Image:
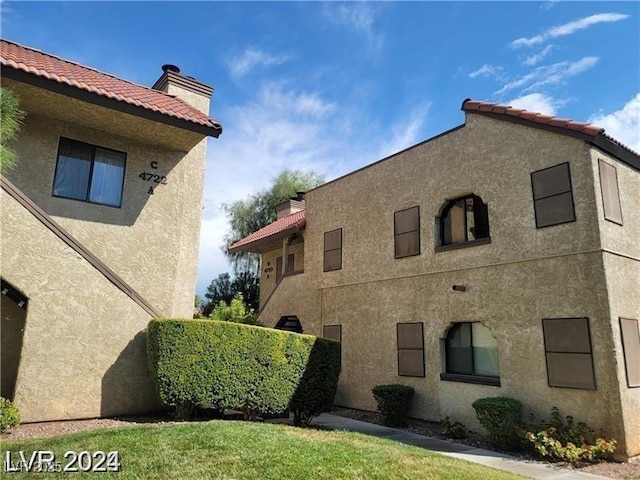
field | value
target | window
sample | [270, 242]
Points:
[610, 195]
[406, 231]
[471, 355]
[631, 348]
[333, 250]
[410, 349]
[552, 196]
[464, 222]
[332, 332]
[567, 345]
[89, 173]
[290, 265]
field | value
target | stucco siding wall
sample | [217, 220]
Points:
[619, 238]
[622, 269]
[524, 275]
[151, 241]
[268, 270]
[196, 100]
[295, 295]
[83, 349]
[511, 300]
[623, 282]
[490, 158]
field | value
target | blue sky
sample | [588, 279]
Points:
[332, 86]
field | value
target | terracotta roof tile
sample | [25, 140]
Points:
[477, 106]
[597, 133]
[289, 224]
[19, 57]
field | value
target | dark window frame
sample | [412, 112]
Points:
[465, 377]
[90, 179]
[398, 349]
[625, 348]
[443, 247]
[547, 351]
[325, 251]
[334, 325]
[535, 200]
[396, 234]
[607, 215]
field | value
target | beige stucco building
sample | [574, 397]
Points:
[501, 257]
[100, 227]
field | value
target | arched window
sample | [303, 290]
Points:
[471, 351]
[464, 220]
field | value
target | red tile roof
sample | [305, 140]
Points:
[596, 135]
[475, 106]
[284, 226]
[50, 67]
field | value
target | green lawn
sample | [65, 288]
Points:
[230, 449]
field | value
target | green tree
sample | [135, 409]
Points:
[248, 284]
[223, 289]
[259, 210]
[10, 120]
[235, 311]
[219, 290]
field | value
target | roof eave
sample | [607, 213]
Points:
[264, 241]
[607, 145]
[599, 140]
[531, 123]
[111, 103]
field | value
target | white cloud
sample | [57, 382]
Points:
[549, 75]
[623, 124]
[487, 71]
[252, 58]
[569, 28]
[534, 59]
[537, 102]
[358, 16]
[405, 133]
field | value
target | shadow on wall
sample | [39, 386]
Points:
[127, 387]
[317, 388]
[14, 317]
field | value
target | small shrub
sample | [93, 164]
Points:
[501, 417]
[567, 441]
[394, 402]
[9, 415]
[453, 429]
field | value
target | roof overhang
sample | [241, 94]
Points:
[265, 244]
[114, 104]
[592, 134]
[270, 237]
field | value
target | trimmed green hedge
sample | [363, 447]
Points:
[318, 385]
[252, 369]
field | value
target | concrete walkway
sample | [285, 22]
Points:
[488, 458]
